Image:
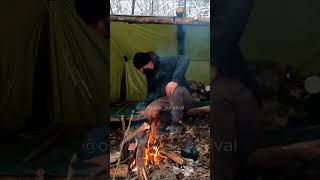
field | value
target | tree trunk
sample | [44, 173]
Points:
[185, 8]
[133, 5]
[152, 8]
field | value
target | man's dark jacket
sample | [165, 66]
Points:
[166, 69]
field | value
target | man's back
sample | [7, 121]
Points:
[167, 69]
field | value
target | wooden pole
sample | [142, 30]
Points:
[152, 8]
[202, 21]
[133, 6]
[180, 32]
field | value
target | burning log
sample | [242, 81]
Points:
[140, 156]
[145, 153]
[174, 157]
[142, 128]
[147, 150]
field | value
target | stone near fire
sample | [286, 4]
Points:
[190, 151]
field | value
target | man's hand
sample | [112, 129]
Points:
[170, 87]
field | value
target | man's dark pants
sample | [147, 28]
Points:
[177, 105]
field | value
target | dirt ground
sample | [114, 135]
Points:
[197, 132]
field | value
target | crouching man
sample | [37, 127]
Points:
[167, 87]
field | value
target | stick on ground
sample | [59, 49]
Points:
[174, 157]
[121, 146]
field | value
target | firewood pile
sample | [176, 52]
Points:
[199, 91]
[141, 154]
[284, 97]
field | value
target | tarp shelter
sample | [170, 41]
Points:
[53, 66]
[127, 39]
[53, 69]
[286, 32]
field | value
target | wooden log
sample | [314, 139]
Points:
[160, 20]
[140, 155]
[174, 157]
[122, 171]
[198, 110]
[142, 128]
[114, 157]
[283, 156]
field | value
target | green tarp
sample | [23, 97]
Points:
[53, 67]
[127, 39]
[79, 68]
[52, 62]
[20, 33]
[286, 32]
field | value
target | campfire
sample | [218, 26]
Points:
[144, 151]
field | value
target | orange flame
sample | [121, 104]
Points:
[152, 154]
[152, 150]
